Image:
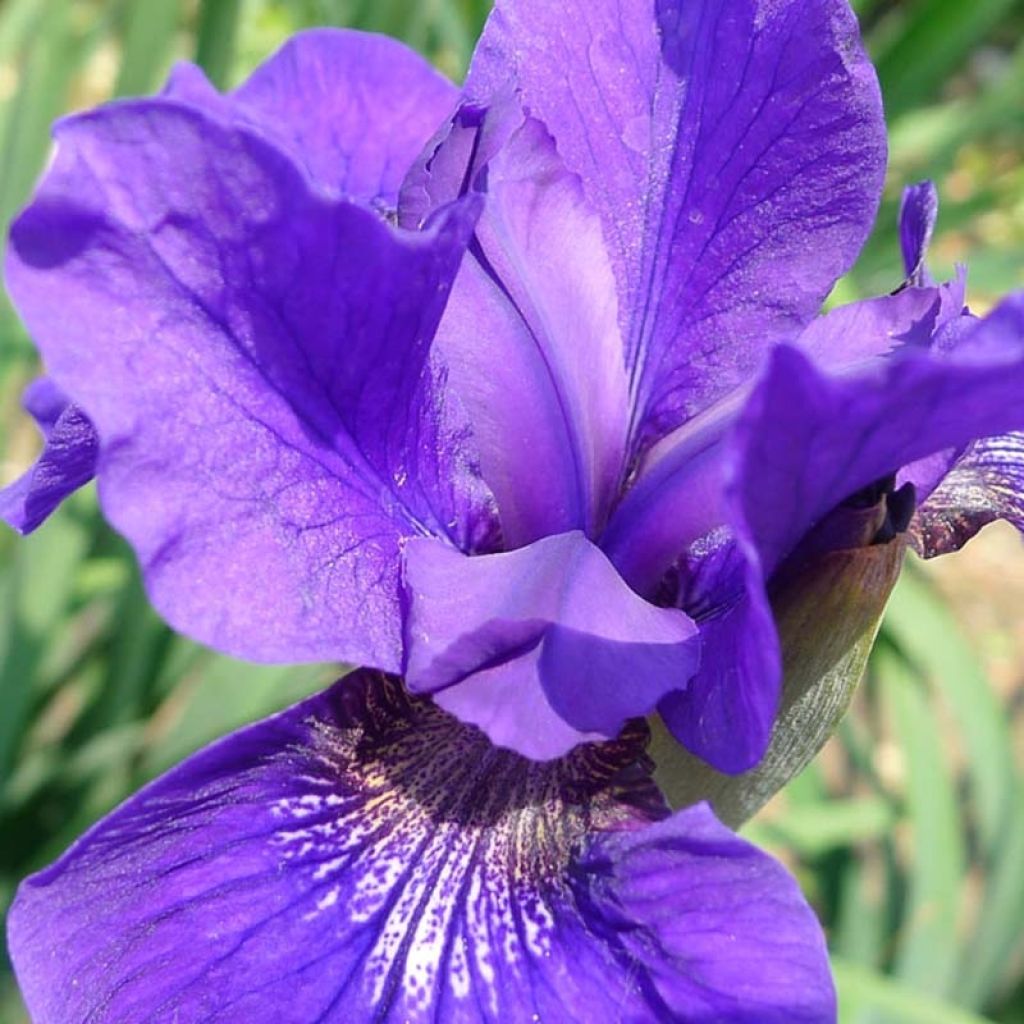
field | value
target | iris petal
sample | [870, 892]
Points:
[678, 495]
[984, 484]
[255, 357]
[671, 518]
[919, 209]
[67, 462]
[603, 654]
[366, 857]
[530, 336]
[807, 440]
[734, 152]
[352, 109]
[725, 715]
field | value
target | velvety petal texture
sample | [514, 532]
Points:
[603, 654]
[671, 519]
[806, 441]
[862, 331]
[352, 109]
[255, 357]
[734, 152]
[67, 462]
[678, 494]
[366, 857]
[520, 396]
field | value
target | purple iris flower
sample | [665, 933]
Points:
[519, 398]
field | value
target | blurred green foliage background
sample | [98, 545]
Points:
[908, 833]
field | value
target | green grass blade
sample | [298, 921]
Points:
[866, 997]
[17, 19]
[45, 75]
[928, 953]
[943, 31]
[859, 933]
[926, 631]
[216, 35]
[815, 828]
[41, 580]
[148, 39]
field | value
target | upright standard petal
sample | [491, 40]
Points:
[255, 357]
[530, 335]
[589, 653]
[351, 108]
[367, 857]
[734, 152]
[67, 462]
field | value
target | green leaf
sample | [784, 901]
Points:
[44, 80]
[859, 932]
[866, 997]
[17, 18]
[215, 39]
[937, 37]
[928, 953]
[38, 585]
[149, 34]
[218, 695]
[813, 829]
[926, 631]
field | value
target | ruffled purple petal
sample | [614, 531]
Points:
[670, 522]
[862, 331]
[686, 891]
[919, 209]
[586, 646]
[366, 857]
[985, 484]
[676, 497]
[46, 403]
[530, 335]
[67, 462]
[807, 441]
[509, 704]
[808, 438]
[734, 153]
[255, 357]
[351, 108]
[964, 488]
